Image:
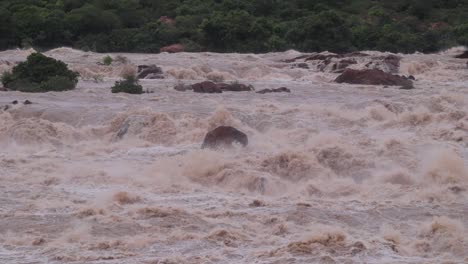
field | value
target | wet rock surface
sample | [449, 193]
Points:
[206, 87]
[149, 72]
[373, 77]
[224, 137]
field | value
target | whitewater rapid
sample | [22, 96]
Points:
[333, 173]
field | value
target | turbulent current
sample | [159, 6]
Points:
[333, 173]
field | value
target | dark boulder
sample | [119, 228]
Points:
[149, 72]
[211, 87]
[206, 87]
[235, 87]
[277, 90]
[464, 55]
[373, 77]
[3, 89]
[224, 136]
[27, 102]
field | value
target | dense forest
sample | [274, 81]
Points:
[235, 25]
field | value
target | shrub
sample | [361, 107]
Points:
[7, 77]
[24, 86]
[107, 60]
[128, 85]
[58, 83]
[33, 75]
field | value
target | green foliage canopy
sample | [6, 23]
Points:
[235, 25]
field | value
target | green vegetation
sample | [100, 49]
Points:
[235, 25]
[107, 60]
[40, 73]
[128, 85]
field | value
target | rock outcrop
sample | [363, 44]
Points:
[223, 137]
[338, 63]
[373, 77]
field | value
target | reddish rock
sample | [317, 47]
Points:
[3, 89]
[277, 90]
[224, 136]
[439, 25]
[166, 20]
[175, 48]
[206, 87]
[373, 77]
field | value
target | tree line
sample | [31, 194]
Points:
[235, 25]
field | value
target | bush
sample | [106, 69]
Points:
[24, 86]
[7, 77]
[107, 60]
[128, 85]
[58, 83]
[34, 74]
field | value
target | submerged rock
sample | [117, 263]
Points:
[182, 87]
[302, 65]
[224, 136]
[277, 90]
[211, 87]
[235, 87]
[133, 125]
[337, 66]
[373, 77]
